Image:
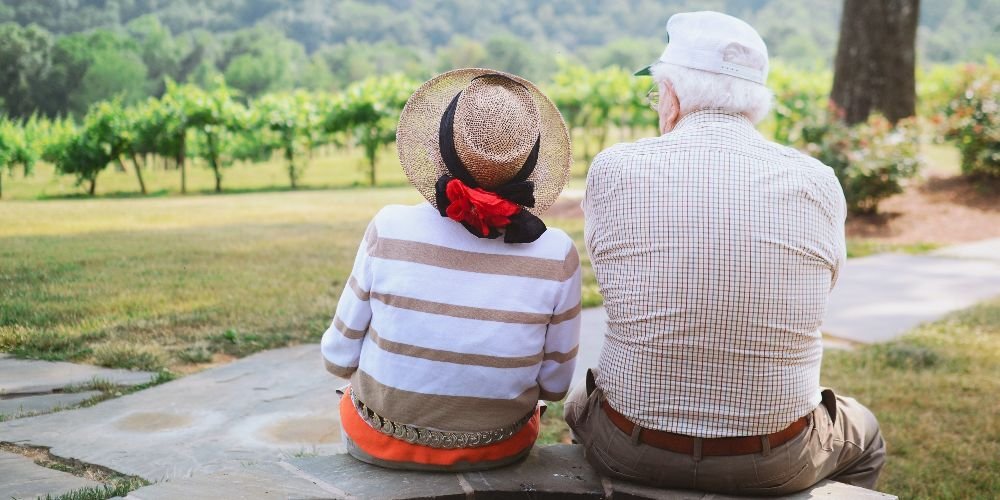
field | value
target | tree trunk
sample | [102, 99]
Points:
[371, 165]
[180, 164]
[1, 183]
[213, 160]
[138, 173]
[93, 185]
[875, 64]
[290, 157]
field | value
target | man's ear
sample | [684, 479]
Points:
[667, 92]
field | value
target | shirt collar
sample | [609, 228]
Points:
[710, 116]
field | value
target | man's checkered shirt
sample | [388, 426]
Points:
[715, 251]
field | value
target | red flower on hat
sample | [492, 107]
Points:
[477, 207]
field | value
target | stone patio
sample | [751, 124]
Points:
[550, 472]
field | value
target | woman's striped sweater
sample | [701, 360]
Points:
[437, 328]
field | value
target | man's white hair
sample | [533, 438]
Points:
[697, 89]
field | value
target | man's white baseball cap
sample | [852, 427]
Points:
[708, 40]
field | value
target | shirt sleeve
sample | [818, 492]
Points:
[341, 343]
[839, 237]
[562, 338]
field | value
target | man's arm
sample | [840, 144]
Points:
[838, 233]
[341, 343]
[562, 338]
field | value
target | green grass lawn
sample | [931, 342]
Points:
[934, 392]
[174, 282]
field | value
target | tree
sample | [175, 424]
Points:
[25, 62]
[14, 149]
[113, 74]
[875, 63]
[294, 121]
[216, 117]
[370, 110]
[172, 115]
[261, 60]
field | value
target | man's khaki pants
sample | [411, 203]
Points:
[842, 442]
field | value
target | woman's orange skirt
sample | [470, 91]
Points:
[389, 449]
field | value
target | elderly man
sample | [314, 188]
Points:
[715, 250]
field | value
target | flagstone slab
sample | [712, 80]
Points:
[20, 376]
[43, 403]
[21, 477]
[549, 472]
[255, 481]
[261, 408]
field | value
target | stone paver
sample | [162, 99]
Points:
[24, 376]
[20, 478]
[43, 403]
[264, 481]
[549, 472]
[261, 408]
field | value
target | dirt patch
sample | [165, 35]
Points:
[941, 210]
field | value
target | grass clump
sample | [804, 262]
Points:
[114, 489]
[195, 354]
[129, 356]
[50, 345]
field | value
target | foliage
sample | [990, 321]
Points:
[219, 124]
[937, 85]
[58, 60]
[594, 101]
[871, 159]
[972, 120]
[294, 122]
[370, 110]
[799, 96]
[15, 148]
[103, 138]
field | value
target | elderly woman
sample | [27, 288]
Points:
[461, 313]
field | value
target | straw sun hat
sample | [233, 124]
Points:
[487, 149]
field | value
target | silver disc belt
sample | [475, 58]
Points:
[435, 438]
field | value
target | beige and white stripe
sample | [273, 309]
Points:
[440, 329]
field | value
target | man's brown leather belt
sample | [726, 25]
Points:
[727, 446]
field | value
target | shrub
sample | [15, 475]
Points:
[972, 121]
[799, 96]
[871, 159]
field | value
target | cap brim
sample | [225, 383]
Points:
[647, 71]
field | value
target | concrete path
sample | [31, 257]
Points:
[24, 376]
[878, 298]
[28, 387]
[265, 407]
